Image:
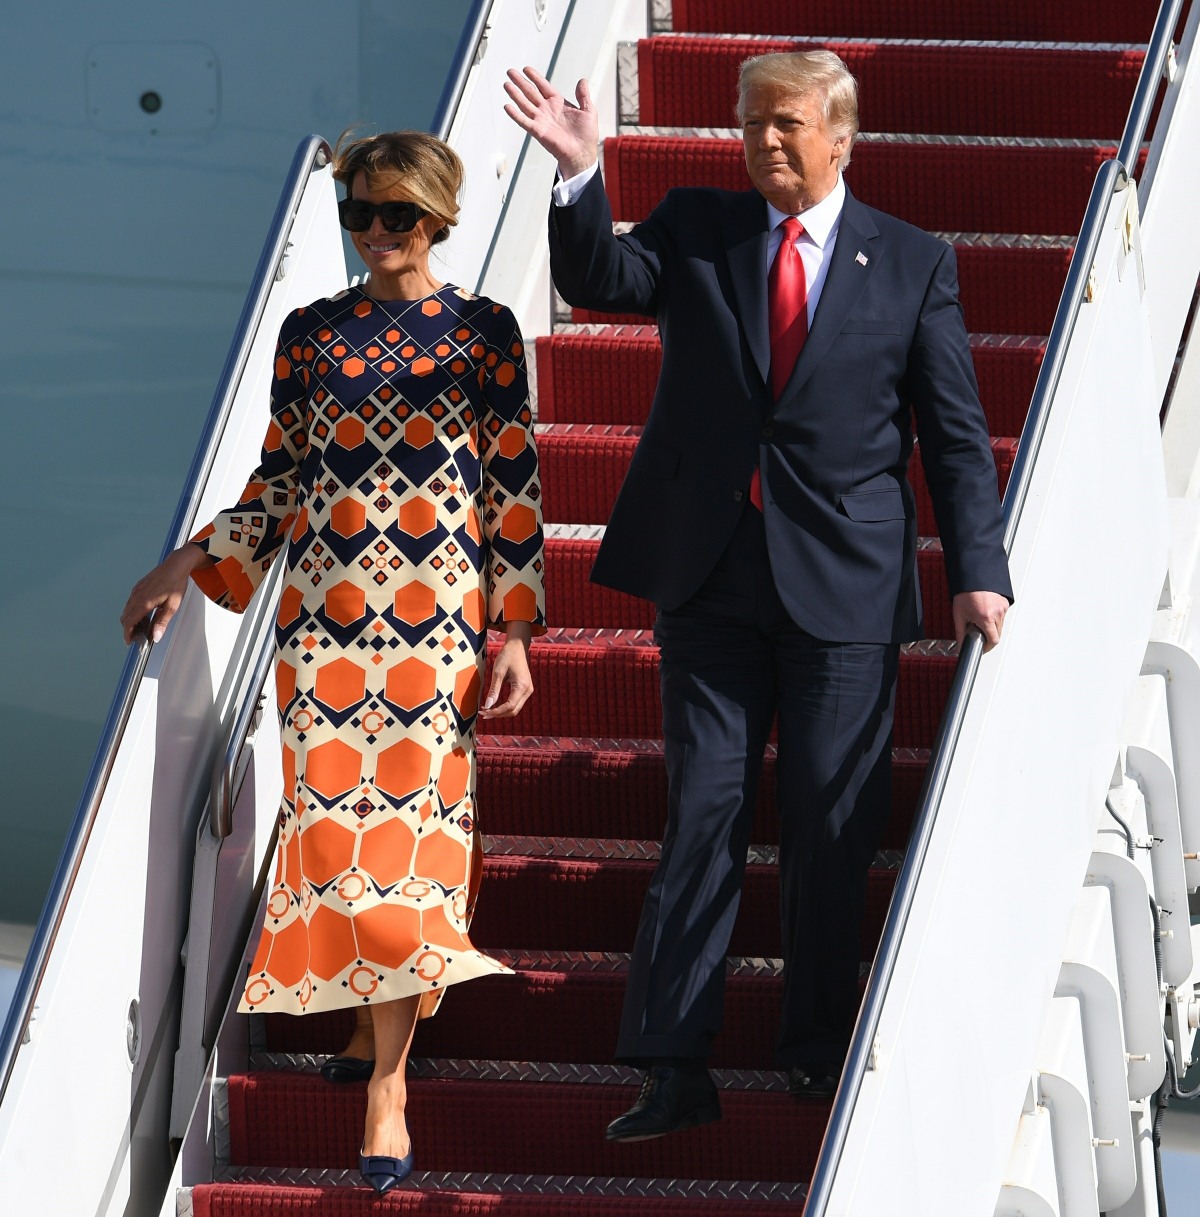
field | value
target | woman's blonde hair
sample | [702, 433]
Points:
[428, 170]
[821, 73]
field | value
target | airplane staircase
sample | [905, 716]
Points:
[988, 124]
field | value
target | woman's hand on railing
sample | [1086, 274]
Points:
[156, 596]
[511, 665]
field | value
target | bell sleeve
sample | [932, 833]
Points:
[245, 539]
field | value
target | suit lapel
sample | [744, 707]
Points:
[852, 264]
[745, 238]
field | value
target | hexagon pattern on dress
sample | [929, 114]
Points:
[399, 478]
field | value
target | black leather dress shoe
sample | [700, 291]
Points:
[347, 1069]
[672, 1098]
[818, 1080]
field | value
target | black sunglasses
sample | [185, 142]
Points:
[357, 215]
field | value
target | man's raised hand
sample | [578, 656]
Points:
[568, 131]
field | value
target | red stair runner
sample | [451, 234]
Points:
[944, 187]
[1100, 21]
[608, 377]
[1004, 289]
[617, 789]
[1074, 93]
[259, 1200]
[590, 686]
[583, 467]
[580, 774]
[536, 1128]
[572, 600]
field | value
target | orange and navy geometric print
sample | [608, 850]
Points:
[400, 478]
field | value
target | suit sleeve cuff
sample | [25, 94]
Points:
[567, 192]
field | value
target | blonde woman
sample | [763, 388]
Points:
[399, 481]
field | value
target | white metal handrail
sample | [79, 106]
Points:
[312, 154]
[1114, 175]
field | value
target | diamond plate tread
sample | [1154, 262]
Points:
[649, 331]
[891, 137]
[644, 851]
[650, 746]
[561, 636]
[574, 532]
[553, 1185]
[525, 1071]
[991, 44]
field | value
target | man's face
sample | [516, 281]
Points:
[791, 158]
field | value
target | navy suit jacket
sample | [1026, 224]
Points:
[887, 343]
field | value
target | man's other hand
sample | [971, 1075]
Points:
[984, 610]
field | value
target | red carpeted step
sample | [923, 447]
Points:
[519, 1128]
[586, 904]
[618, 789]
[1015, 20]
[939, 187]
[572, 600]
[587, 689]
[569, 1017]
[583, 468]
[609, 378]
[1005, 289]
[267, 1200]
[927, 90]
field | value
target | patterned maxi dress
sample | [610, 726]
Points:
[399, 475]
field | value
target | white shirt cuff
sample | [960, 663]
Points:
[567, 192]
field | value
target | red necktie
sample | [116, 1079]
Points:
[787, 319]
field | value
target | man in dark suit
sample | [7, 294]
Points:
[767, 514]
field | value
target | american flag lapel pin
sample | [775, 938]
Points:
[860, 258]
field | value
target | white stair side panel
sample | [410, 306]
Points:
[1137, 971]
[1036, 751]
[1062, 1088]
[1089, 972]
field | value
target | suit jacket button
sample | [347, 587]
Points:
[767, 432]
[738, 496]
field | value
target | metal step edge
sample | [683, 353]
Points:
[890, 137]
[611, 849]
[650, 747]
[981, 240]
[649, 332]
[560, 1185]
[561, 1073]
[599, 637]
[1008, 44]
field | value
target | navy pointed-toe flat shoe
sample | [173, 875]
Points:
[347, 1069]
[384, 1173]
